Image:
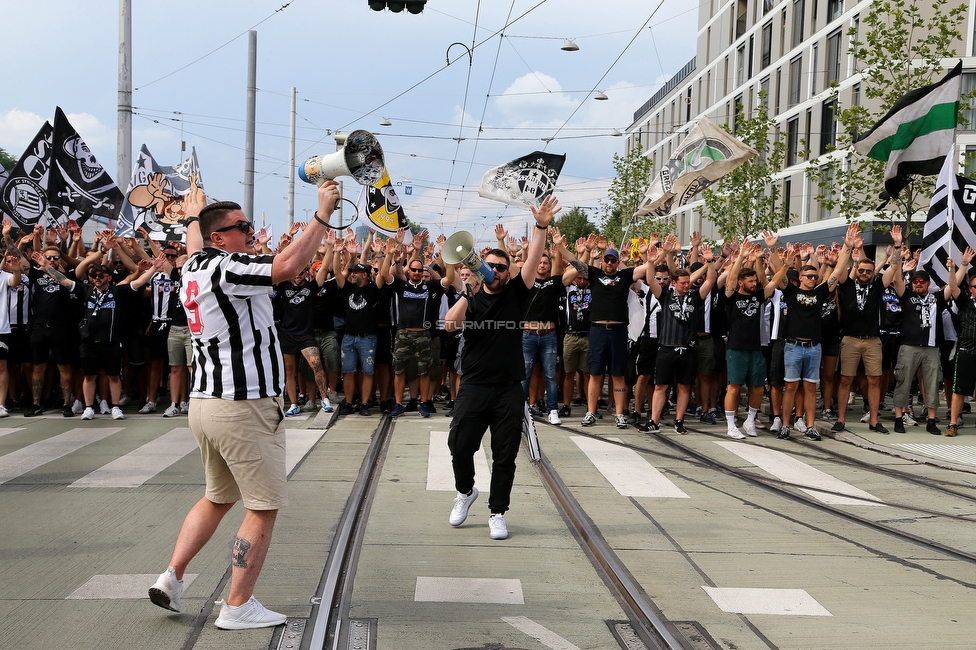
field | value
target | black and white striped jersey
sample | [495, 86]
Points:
[161, 288]
[236, 354]
[20, 303]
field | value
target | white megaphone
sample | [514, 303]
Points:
[459, 249]
[360, 157]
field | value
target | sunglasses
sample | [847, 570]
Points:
[498, 266]
[244, 226]
[812, 276]
[919, 281]
[97, 276]
[170, 256]
[609, 259]
[52, 258]
[865, 271]
[661, 278]
[417, 269]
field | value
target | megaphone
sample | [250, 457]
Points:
[459, 249]
[360, 157]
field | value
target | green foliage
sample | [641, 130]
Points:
[7, 160]
[573, 225]
[902, 49]
[633, 175]
[744, 201]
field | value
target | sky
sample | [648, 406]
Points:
[353, 67]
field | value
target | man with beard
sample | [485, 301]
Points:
[490, 395]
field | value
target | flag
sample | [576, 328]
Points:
[79, 186]
[524, 181]
[154, 198]
[915, 134]
[24, 195]
[381, 205]
[705, 155]
[951, 222]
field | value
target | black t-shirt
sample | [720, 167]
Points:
[920, 316]
[830, 322]
[493, 335]
[323, 303]
[49, 300]
[891, 310]
[296, 306]
[105, 311]
[678, 323]
[743, 311]
[804, 312]
[860, 307]
[416, 305]
[544, 300]
[610, 294]
[578, 301]
[360, 308]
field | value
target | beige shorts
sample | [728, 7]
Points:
[178, 346]
[854, 350]
[242, 444]
[575, 347]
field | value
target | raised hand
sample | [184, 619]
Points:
[546, 211]
[770, 238]
[896, 238]
[500, 233]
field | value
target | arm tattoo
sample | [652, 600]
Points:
[241, 547]
[57, 275]
[583, 269]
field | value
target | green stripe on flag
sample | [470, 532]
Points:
[941, 117]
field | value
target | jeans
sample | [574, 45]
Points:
[542, 347]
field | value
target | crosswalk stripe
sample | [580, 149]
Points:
[7, 432]
[140, 465]
[959, 453]
[298, 442]
[542, 634]
[629, 473]
[440, 472]
[786, 468]
[18, 463]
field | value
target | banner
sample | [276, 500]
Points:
[524, 181]
[154, 198]
[24, 195]
[949, 227]
[705, 155]
[381, 205]
[79, 186]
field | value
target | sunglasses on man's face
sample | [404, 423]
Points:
[170, 256]
[97, 276]
[52, 258]
[244, 226]
[610, 260]
[661, 278]
[417, 269]
[865, 271]
[498, 266]
[812, 276]
[919, 281]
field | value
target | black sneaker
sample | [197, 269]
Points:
[535, 411]
[880, 428]
[430, 406]
[578, 401]
[565, 412]
[784, 433]
[601, 403]
[679, 427]
[33, 410]
[67, 412]
[411, 406]
[812, 434]
[649, 427]
[932, 427]
[838, 426]
[900, 425]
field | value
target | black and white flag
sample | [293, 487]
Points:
[524, 181]
[950, 225]
[24, 195]
[154, 198]
[79, 186]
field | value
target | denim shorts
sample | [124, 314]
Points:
[801, 362]
[358, 353]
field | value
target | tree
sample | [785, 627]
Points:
[744, 201]
[902, 49]
[574, 224]
[6, 160]
[633, 175]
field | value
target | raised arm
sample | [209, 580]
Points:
[895, 275]
[543, 215]
[839, 276]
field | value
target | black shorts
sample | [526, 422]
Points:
[158, 340]
[135, 346]
[890, 342]
[20, 345]
[6, 341]
[676, 366]
[294, 343]
[101, 356]
[948, 361]
[775, 366]
[449, 347]
[384, 345]
[646, 356]
[46, 338]
[964, 378]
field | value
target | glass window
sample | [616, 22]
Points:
[740, 66]
[828, 126]
[796, 81]
[969, 111]
[767, 45]
[764, 93]
[833, 57]
[792, 140]
[799, 7]
[776, 92]
[834, 9]
[813, 69]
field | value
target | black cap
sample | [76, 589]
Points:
[360, 267]
[793, 274]
[922, 275]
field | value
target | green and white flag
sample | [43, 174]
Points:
[915, 134]
[705, 155]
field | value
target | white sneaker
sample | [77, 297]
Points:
[333, 396]
[908, 419]
[150, 407]
[117, 413]
[496, 527]
[749, 426]
[309, 406]
[776, 425]
[850, 399]
[461, 504]
[104, 408]
[77, 407]
[249, 616]
[866, 418]
[735, 434]
[167, 591]
[184, 407]
[327, 405]
[125, 401]
[554, 417]
[88, 413]
[800, 426]
[172, 411]
[3, 412]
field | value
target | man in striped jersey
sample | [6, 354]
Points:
[236, 409]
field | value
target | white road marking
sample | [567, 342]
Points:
[140, 465]
[468, 590]
[440, 474]
[782, 602]
[541, 634]
[129, 586]
[791, 470]
[7, 432]
[627, 471]
[957, 453]
[298, 442]
[18, 463]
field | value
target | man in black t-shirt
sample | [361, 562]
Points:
[539, 334]
[50, 330]
[490, 395]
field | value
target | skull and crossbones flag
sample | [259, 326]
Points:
[524, 181]
[154, 198]
[79, 186]
[24, 195]
[381, 205]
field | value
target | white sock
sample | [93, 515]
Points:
[730, 416]
[752, 414]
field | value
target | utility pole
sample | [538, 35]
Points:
[123, 168]
[291, 160]
[252, 82]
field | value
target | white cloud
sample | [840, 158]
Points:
[17, 129]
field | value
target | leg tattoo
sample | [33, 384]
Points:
[241, 547]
